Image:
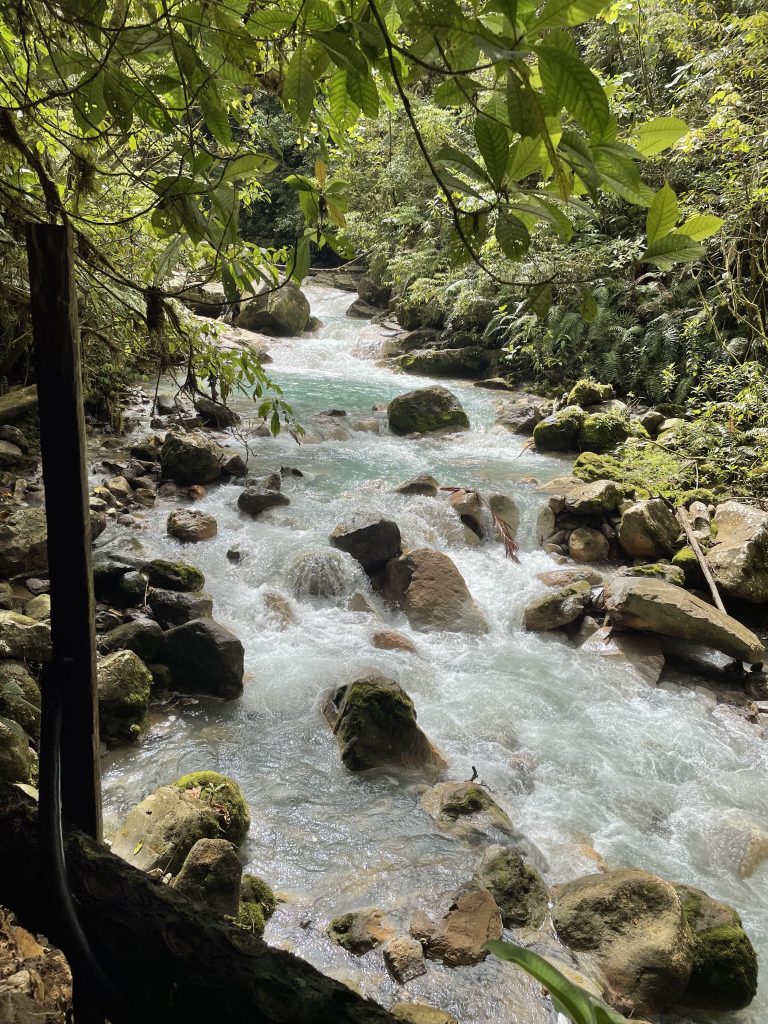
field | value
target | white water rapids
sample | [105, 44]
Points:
[650, 778]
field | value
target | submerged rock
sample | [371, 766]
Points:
[124, 682]
[642, 654]
[425, 410]
[468, 811]
[668, 610]
[459, 939]
[360, 931]
[739, 558]
[431, 591]
[204, 657]
[558, 608]
[210, 875]
[374, 722]
[518, 889]
[371, 540]
[322, 573]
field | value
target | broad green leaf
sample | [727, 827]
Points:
[701, 226]
[565, 14]
[662, 214]
[249, 165]
[527, 155]
[342, 50]
[319, 16]
[450, 155]
[655, 136]
[570, 83]
[493, 142]
[89, 104]
[215, 114]
[588, 306]
[298, 263]
[619, 173]
[364, 93]
[299, 83]
[506, 7]
[520, 110]
[673, 248]
[512, 236]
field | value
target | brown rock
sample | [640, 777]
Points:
[432, 592]
[191, 525]
[391, 640]
[459, 939]
[588, 545]
[360, 931]
[404, 958]
[211, 875]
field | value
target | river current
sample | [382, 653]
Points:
[579, 752]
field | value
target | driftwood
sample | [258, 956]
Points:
[16, 403]
[685, 522]
[173, 961]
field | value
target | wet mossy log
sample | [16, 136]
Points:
[172, 960]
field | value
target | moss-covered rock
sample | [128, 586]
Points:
[589, 392]
[360, 931]
[724, 972]
[657, 571]
[558, 432]
[601, 497]
[124, 682]
[590, 467]
[471, 362]
[686, 560]
[256, 892]
[224, 797]
[24, 639]
[20, 697]
[518, 889]
[250, 916]
[174, 575]
[425, 410]
[557, 608]
[602, 432]
[211, 875]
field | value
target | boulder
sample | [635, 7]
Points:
[192, 458]
[373, 293]
[633, 925]
[204, 657]
[15, 756]
[161, 830]
[172, 608]
[283, 312]
[424, 485]
[686, 560]
[662, 608]
[391, 640]
[370, 539]
[601, 497]
[468, 811]
[360, 931]
[426, 410]
[24, 639]
[20, 697]
[588, 545]
[374, 722]
[130, 591]
[404, 958]
[142, 636]
[558, 608]
[255, 500]
[107, 573]
[360, 310]
[656, 571]
[739, 558]
[649, 530]
[467, 363]
[517, 888]
[257, 904]
[124, 683]
[521, 417]
[211, 875]
[562, 577]
[469, 508]
[430, 589]
[224, 796]
[724, 973]
[588, 392]
[420, 1013]
[603, 431]
[39, 608]
[504, 509]
[214, 414]
[174, 575]
[191, 525]
[590, 466]
[652, 421]
[558, 432]
[23, 541]
[459, 939]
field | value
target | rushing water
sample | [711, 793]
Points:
[650, 778]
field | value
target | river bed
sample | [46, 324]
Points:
[580, 753]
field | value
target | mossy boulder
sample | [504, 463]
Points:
[192, 458]
[656, 571]
[426, 410]
[124, 683]
[591, 466]
[224, 797]
[283, 312]
[518, 889]
[250, 917]
[588, 392]
[558, 432]
[360, 931]
[174, 575]
[20, 697]
[471, 362]
[602, 432]
[374, 722]
[142, 636]
[256, 893]
[649, 529]
[15, 756]
[724, 972]
[686, 560]
[24, 639]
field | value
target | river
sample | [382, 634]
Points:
[653, 778]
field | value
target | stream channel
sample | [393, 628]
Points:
[578, 751]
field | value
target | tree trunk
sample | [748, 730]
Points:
[172, 961]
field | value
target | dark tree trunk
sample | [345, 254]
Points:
[174, 962]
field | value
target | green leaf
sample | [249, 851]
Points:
[137, 847]
[493, 142]
[662, 214]
[342, 51]
[673, 248]
[362, 89]
[527, 155]
[215, 114]
[464, 162]
[248, 166]
[297, 266]
[512, 236]
[619, 173]
[588, 306]
[568, 82]
[701, 226]
[655, 136]
[89, 104]
[506, 7]
[299, 83]
[565, 13]
[520, 111]
[540, 301]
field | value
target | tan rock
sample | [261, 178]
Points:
[557, 608]
[739, 558]
[404, 958]
[361, 931]
[421, 1013]
[459, 938]
[191, 525]
[588, 545]
[391, 640]
[430, 589]
[649, 530]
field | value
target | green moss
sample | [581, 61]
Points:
[224, 797]
[557, 433]
[697, 494]
[250, 916]
[20, 697]
[602, 432]
[466, 800]
[590, 466]
[686, 560]
[518, 889]
[381, 704]
[589, 392]
[255, 890]
[724, 974]
[673, 574]
[174, 575]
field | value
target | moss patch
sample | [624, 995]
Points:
[466, 800]
[174, 575]
[589, 392]
[224, 797]
[686, 560]
[255, 890]
[602, 432]
[250, 916]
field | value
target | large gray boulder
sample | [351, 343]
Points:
[660, 607]
[142, 636]
[192, 458]
[431, 591]
[558, 607]
[425, 410]
[649, 530]
[23, 541]
[632, 923]
[374, 722]
[204, 657]
[283, 312]
[371, 540]
[172, 608]
[739, 558]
